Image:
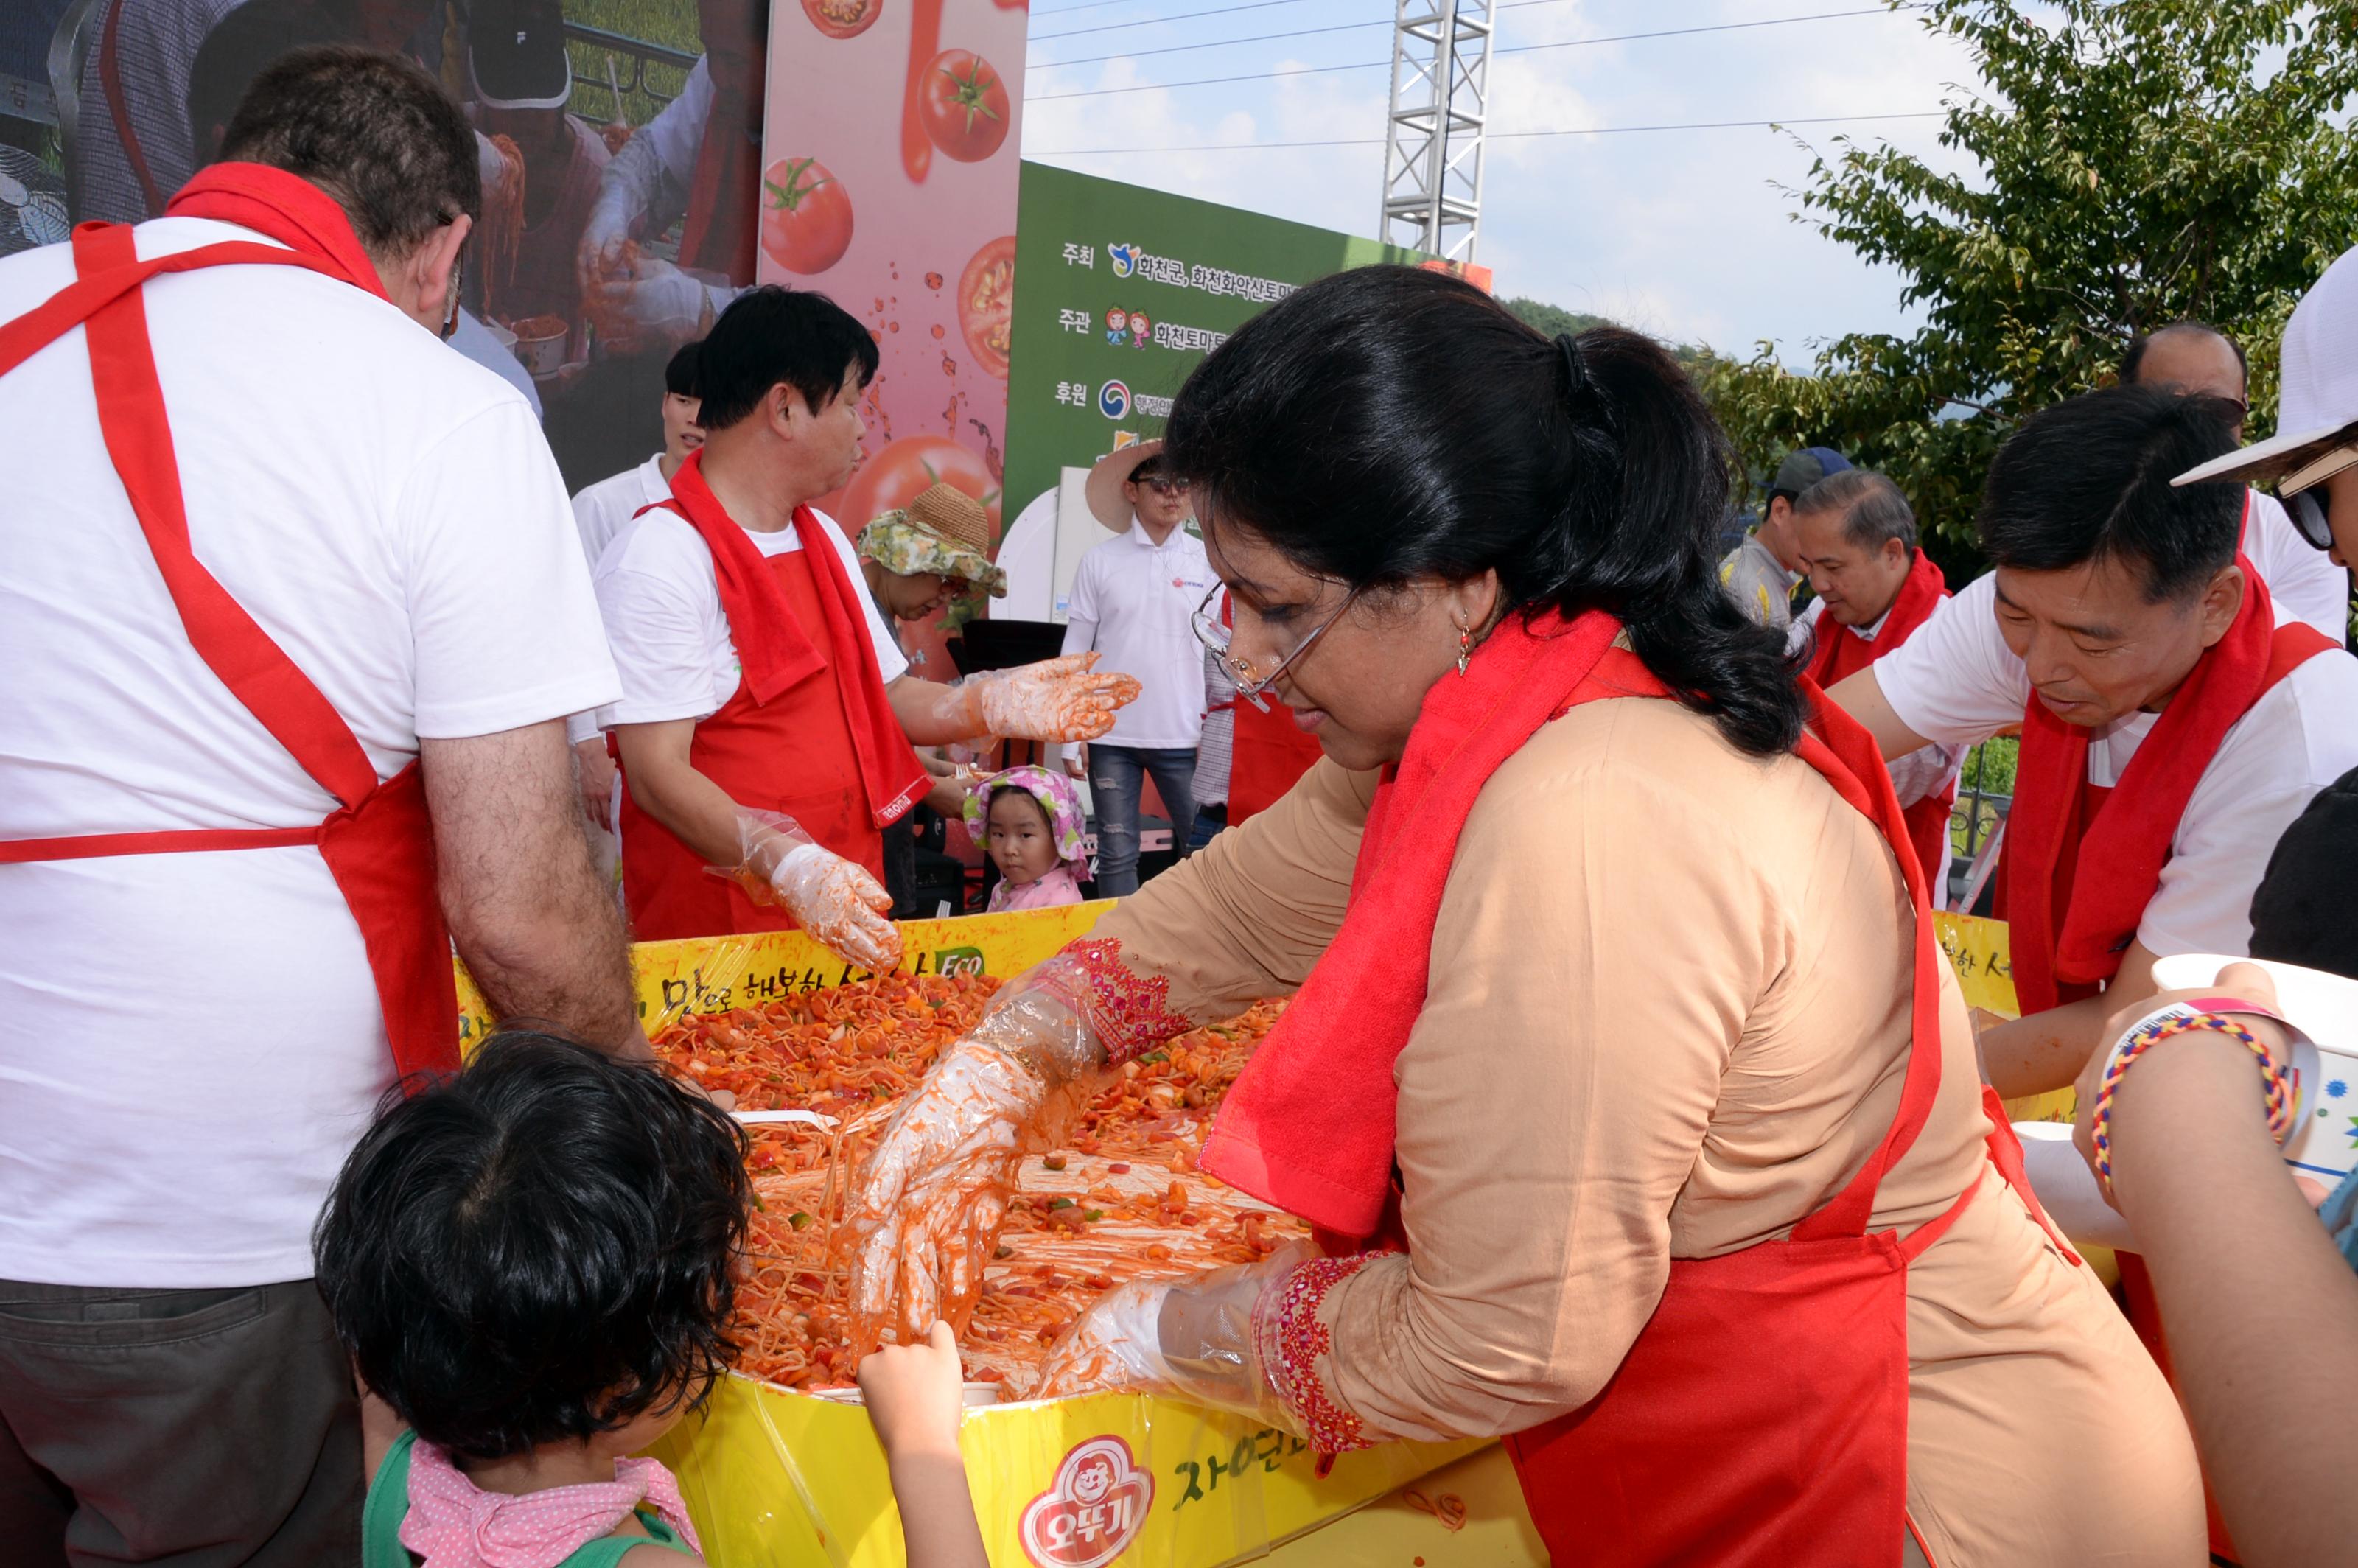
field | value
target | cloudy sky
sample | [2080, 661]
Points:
[1682, 233]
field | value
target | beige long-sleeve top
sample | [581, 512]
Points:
[1668, 1017]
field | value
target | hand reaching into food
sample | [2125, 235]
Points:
[915, 1400]
[926, 1206]
[845, 910]
[1194, 1338]
[1064, 698]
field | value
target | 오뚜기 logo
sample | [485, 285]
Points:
[1091, 1511]
[1124, 259]
[1113, 399]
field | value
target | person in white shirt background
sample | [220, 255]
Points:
[600, 511]
[193, 1031]
[2203, 362]
[1133, 599]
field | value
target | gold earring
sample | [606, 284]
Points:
[1464, 648]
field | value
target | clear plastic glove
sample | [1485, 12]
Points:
[1057, 699]
[845, 910]
[926, 1206]
[646, 304]
[930, 1199]
[1192, 1337]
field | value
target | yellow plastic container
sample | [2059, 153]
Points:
[776, 1479]
[773, 1477]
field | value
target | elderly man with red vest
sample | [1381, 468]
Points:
[2172, 725]
[290, 638]
[1856, 535]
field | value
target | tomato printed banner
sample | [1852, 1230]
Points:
[888, 182]
[1125, 291]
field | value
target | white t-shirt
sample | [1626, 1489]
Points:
[2302, 579]
[670, 638]
[1922, 773]
[1956, 681]
[1133, 600]
[600, 509]
[190, 1043]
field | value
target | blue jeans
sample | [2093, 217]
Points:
[1116, 773]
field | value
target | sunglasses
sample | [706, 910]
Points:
[2307, 510]
[2304, 495]
[1161, 486]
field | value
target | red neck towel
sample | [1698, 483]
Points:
[776, 651]
[2077, 881]
[1840, 653]
[285, 207]
[1308, 1125]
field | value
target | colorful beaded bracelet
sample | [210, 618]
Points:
[2160, 1026]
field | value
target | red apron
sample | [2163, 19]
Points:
[1267, 756]
[1841, 651]
[379, 844]
[1761, 1416]
[792, 754]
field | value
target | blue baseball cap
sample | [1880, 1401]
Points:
[1804, 468]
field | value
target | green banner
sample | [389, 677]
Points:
[1124, 290]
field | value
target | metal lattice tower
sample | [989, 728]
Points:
[1432, 139]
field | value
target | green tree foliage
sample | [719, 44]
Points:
[1552, 320]
[2137, 162]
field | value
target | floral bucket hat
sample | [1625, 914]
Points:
[944, 531]
[1055, 794]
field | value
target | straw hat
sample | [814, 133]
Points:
[1108, 475]
[944, 531]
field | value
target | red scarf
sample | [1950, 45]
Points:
[2078, 881]
[776, 650]
[1840, 653]
[285, 207]
[1322, 1086]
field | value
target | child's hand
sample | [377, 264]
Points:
[916, 1394]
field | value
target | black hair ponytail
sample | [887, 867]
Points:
[1387, 424]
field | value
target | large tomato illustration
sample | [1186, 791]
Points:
[843, 19]
[894, 476]
[806, 215]
[986, 304]
[965, 106]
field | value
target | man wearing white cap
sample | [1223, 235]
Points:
[1133, 600]
[2172, 723]
[2201, 361]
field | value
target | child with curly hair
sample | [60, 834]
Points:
[532, 1267]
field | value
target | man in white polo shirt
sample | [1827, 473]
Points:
[1133, 600]
[2203, 362]
[2172, 726]
[289, 639]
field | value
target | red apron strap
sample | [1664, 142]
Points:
[169, 841]
[70, 307]
[1845, 757]
[138, 436]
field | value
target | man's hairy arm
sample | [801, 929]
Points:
[537, 927]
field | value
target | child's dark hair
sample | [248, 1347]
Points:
[538, 1248]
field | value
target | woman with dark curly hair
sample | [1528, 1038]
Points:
[1643, 1132]
[532, 1266]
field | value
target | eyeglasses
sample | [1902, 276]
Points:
[1217, 636]
[1166, 486]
